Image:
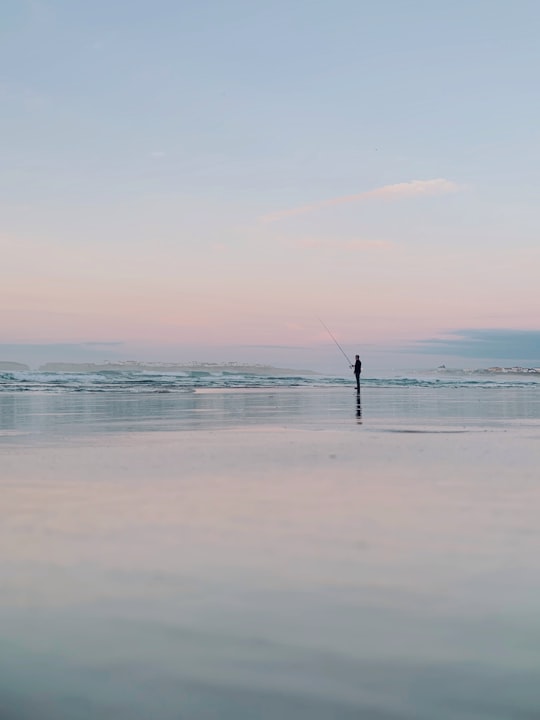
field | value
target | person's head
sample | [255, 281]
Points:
[358, 357]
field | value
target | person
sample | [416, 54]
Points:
[357, 371]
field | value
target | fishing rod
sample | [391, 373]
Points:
[334, 339]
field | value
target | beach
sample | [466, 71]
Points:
[270, 553]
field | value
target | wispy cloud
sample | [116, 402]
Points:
[354, 244]
[276, 347]
[413, 188]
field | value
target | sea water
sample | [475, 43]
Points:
[258, 547]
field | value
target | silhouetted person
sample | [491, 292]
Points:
[357, 371]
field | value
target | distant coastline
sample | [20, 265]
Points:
[517, 370]
[7, 366]
[495, 370]
[228, 367]
[134, 366]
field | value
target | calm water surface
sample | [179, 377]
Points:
[45, 416]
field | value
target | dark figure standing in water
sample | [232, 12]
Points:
[357, 371]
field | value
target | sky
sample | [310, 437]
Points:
[207, 180]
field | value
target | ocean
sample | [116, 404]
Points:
[253, 544]
[232, 376]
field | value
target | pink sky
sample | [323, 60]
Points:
[226, 186]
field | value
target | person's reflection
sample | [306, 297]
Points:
[358, 408]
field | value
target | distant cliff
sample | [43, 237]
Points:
[13, 367]
[133, 366]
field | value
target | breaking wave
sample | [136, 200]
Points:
[134, 380]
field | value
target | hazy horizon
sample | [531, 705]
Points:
[465, 352]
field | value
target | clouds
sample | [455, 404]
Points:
[340, 244]
[396, 191]
[521, 346]
[414, 188]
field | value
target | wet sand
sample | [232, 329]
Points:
[300, 566]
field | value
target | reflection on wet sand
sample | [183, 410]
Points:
[358, 408]
[262, 573]
[67, 415]
[266, 558]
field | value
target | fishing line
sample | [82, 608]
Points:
[334, 339]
